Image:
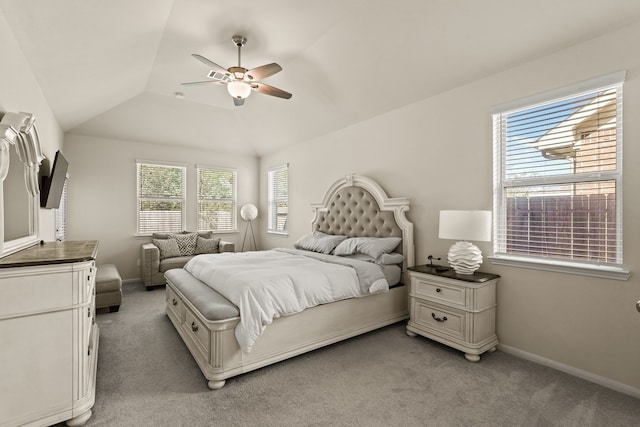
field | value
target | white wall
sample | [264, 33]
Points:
[438, 152]
[102, 192]
[19, 91]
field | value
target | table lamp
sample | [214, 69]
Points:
[465, 257]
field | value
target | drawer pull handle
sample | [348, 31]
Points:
[174, 302]
[194, 327]
[437, 319]
[438, 290]
[88, 311]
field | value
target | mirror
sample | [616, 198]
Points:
[17, 203]
[20, 159]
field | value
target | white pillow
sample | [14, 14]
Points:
[318, 242]
[372, 246]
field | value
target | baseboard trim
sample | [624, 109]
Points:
[605, 382]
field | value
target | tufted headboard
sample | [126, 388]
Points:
[356, 206]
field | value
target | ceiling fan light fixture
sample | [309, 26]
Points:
[239, 89]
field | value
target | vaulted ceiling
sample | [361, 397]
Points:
[112, 68]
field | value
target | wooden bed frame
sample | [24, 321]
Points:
[348, 208]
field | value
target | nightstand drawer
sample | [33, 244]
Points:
[441, 293]
[441, 320]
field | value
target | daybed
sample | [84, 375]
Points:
[209, 324]
[154, 262]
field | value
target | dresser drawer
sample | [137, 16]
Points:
[439, 319]
[440, 292]
[198, 332]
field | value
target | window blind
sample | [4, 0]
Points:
[557, 178]
[216, 199]
[278, 189]
[161, 197]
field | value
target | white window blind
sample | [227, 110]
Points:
[216, 199]
[278, 189]
[61, 215]
[161, 197]
[558, 177]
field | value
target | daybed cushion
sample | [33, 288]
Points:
[208, 302]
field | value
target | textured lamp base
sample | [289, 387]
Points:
[464, 257]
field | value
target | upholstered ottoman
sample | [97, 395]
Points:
[108, 287]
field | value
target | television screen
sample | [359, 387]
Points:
[52, 186]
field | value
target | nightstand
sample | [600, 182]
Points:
[458, 310]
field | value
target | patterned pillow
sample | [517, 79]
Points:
[186, 242]
[207, 246]
[168, 248]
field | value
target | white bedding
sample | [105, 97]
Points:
[265, 285]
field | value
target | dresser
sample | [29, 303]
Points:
[48, 334]
[458, 310]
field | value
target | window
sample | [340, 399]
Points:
[216, 199]
[61, 215]
[161, 197]
[558, 177]
[278, 187]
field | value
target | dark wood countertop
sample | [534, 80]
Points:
[52, 253]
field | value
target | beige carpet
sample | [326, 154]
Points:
[147, 377]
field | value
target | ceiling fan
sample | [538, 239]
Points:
[240, 81]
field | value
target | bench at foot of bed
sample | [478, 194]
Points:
[193, 308]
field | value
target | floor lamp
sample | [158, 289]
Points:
[249, 212]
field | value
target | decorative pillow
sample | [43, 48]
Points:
[391, 258]
[319, 242]
[186, 242]
[372, 246]
[385, 259]
[168, 247]
[207, 246]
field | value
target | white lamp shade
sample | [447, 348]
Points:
[465, 225]
[239, 89]
[249, 212]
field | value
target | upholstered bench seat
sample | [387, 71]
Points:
[108, 287]
[208, 302]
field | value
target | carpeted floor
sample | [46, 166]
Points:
[147, 377]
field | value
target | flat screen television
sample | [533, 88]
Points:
[52, 186]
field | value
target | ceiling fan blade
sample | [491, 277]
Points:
[238, 102]
[206, 82]
[210, 63]
[270, 90]
[263, 71]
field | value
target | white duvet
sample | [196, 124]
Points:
[265, 285]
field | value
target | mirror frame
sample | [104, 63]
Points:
[18, 130]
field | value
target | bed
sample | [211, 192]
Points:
[208, 323]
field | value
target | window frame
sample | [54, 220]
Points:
[60, 217]
[501, 184]
[272, 216]
[234, 200]
[183, 200]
